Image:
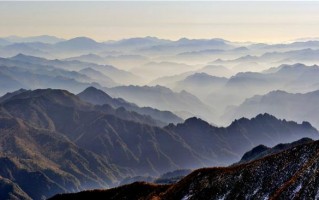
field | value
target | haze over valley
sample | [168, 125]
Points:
[206, 104]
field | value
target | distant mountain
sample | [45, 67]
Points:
[98, 97]
[42, 38]
[22, 48]
[216, 70]
[4, 42]
[170, 81]
[79, 44]
[99, 77]
[15, 78]
[201, 83]
[298, 107]
[92, 58]
[163, 99]
[123, 61]
[187, 45]
[270, 59]
[291, 78]
[9, 83]
[291, 174]
[107, 70]
[231, 141]
[213, 70]
[136, 43]
[154, 70]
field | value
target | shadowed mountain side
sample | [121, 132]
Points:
[10, 190]
[134, 191]
[50, 160]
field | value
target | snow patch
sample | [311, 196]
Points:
[187, 197]
[297, 189]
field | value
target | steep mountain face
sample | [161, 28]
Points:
[290, 174]
[297, 107]
[10, 190]
[50, 160]
[98, 97]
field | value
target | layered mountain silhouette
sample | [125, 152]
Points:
[297, 107]
[182, 103]
[98, 97]
[289, 174]
[71, 145]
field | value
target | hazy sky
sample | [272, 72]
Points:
[238, 21]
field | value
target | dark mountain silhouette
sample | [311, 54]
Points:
[242, 134]
[262, 151]
[98, 97]
[134, 191]
[290, 174]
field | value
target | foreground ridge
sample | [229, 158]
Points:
[290, 174]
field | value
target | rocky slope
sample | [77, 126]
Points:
[291, 174]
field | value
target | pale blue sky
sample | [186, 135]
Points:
[239, 21]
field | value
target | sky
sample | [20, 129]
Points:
[237, 21]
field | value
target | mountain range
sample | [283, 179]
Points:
[297, 107]
[74, 145]
[79, 114]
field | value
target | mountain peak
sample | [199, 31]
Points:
[195, 121]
